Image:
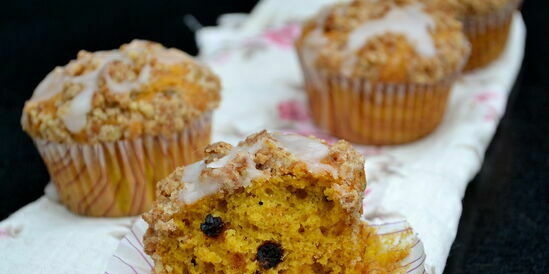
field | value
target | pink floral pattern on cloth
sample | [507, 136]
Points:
[293, 110]
[491, 101]
[9, 232]
[283, 37]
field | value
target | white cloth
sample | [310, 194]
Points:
[422, 182]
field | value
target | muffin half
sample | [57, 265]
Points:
[275, 203]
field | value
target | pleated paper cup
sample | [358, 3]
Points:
[375, 113]
[488, 34]
[119, 178]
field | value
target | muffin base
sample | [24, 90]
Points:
[119, 178]
[372, 113]
[488, 35]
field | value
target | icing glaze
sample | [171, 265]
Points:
[410, 21]
[306, 149]
[50, 86]
[196, 186]
[126, 86]
[75, 118]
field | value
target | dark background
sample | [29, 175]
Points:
[504, 227]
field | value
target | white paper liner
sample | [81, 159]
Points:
[376, 113]
[118, 178]
[129, 257]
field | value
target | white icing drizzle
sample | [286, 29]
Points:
[196, 186]
[50, 86]
[410, 21]
[76, 117]
[126, 86]
[306, 149]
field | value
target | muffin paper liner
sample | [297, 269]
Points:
[488, 34]
[119, 178]
[130, 258]
[375, 113]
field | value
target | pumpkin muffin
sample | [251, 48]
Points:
[110, 124]
[380, 72]
[486, 24]
[275, 203]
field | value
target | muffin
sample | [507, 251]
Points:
[486, 24]
[110, 124]
[380, 72]
[276, 203]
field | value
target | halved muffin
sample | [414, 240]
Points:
[275, 203]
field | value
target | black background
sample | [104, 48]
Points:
[504, 227]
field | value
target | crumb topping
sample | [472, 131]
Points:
[141, 88]
[227, 169]
[391, 41]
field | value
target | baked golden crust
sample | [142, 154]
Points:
[389, 57]
[140, 89]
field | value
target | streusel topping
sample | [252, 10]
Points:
[390, 41]
[141, 88]
[227, 168]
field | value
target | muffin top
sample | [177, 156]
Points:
[396, 41]
[465, 8]
[262, 156]
[142, 88]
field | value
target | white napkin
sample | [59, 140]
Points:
[422, 182]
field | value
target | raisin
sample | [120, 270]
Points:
[269, 255]
[212, 226]
[260, 203]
